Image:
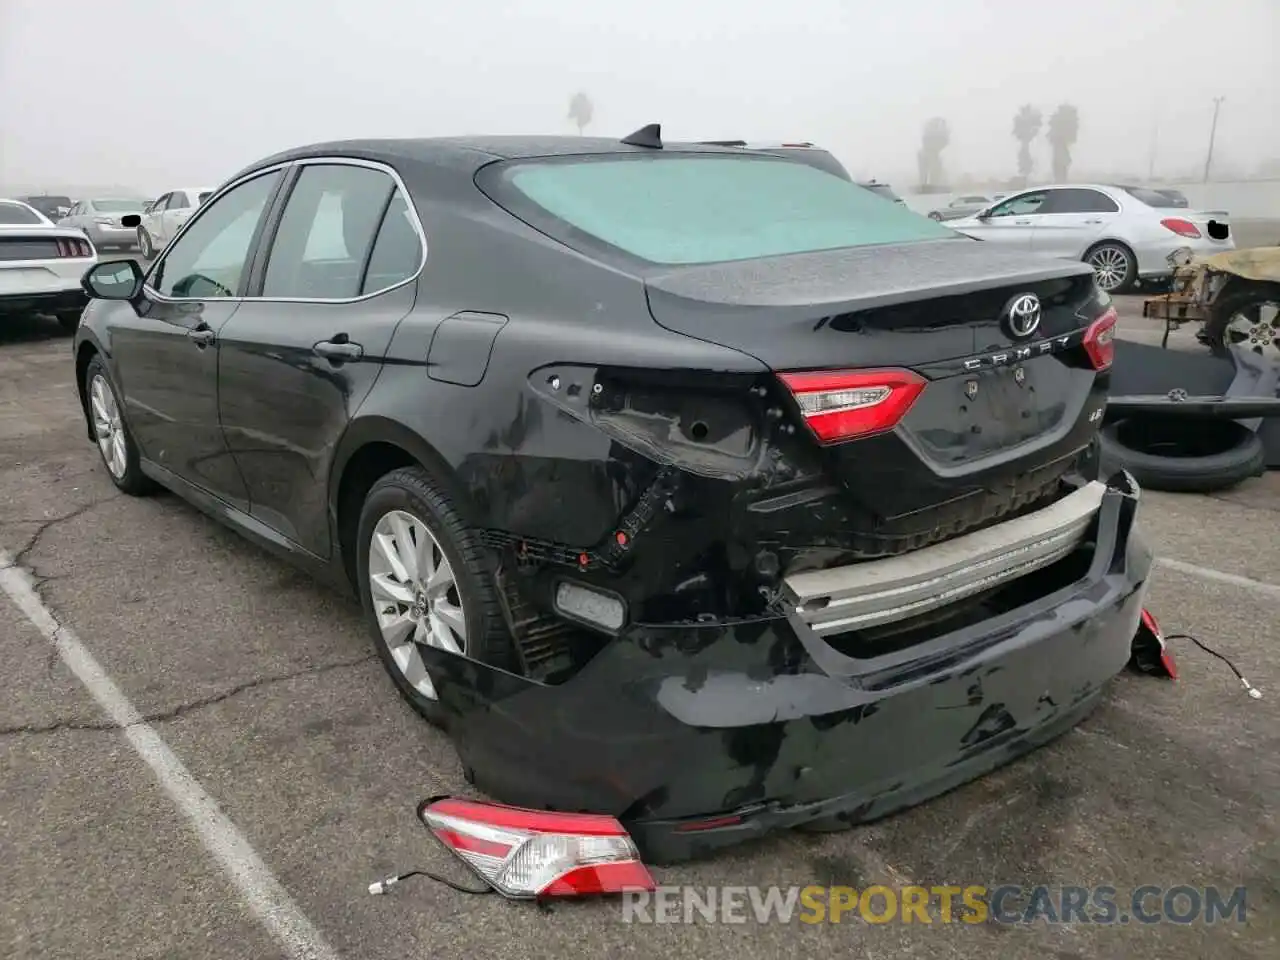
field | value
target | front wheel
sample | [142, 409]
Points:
[115, 442]
[148, 250]
[424, 580]
[1114, 267]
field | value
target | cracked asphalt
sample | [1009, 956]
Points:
[266, 688]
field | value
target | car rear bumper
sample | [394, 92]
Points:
[104, 236]
[701, 735]
[43, 301]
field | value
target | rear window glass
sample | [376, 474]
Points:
[1152, 198]
[14, 215]
[689, 210]
[117, 206]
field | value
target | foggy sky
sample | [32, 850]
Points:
[160, 93]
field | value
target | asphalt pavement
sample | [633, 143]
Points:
[270, 772]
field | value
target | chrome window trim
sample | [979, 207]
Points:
[416, 221]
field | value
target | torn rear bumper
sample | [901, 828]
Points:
[702, 735]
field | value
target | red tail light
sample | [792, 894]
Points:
[1099, 340]
[843, 404]
[1183, 228]
[533, 853]
[1166, 658]
[69, 247]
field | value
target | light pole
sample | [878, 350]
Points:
[1213, 130]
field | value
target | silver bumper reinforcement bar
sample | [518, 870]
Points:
[876, 592]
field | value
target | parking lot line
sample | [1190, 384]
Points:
[261, 892]
[1208, 573]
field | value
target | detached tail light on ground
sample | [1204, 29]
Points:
[526, 854]
[1150, 654]
[1183, 228]
[840, 405]
[1099, 340]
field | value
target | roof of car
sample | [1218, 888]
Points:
[473, 152]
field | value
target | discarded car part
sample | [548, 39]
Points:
[1233, 293]
[1150, 653]
[1182, 454]
[1245, 388]
[527, 854]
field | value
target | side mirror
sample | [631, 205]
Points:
[131, 220]
[113, 280]
[983, 215]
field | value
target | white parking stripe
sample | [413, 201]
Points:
[1207, 573]
[262, 893]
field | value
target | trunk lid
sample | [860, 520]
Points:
[1001, 417]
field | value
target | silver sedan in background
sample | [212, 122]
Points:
[1125, 233]
[100, 221]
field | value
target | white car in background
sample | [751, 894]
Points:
[41, 265]
[166, 216]
[1124, 233]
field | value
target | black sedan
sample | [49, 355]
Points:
[681, 483]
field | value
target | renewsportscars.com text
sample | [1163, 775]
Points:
[971, 904]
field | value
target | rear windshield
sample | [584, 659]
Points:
[14, 215]
[117, 206]
[704, 209]
[1152, 198]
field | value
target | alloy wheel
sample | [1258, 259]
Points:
[108, 427]
[415, 594]
[1256, 327]
[144, 244]
[1110, 267]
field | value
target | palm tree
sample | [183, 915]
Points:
[933, 140]
[580, 111]
[1026, 124]
[1064, 128]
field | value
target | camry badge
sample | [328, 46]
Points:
[1022, 316]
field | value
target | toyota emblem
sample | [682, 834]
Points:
[1022, 316]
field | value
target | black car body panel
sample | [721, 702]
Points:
[624, 425]
[702, 734]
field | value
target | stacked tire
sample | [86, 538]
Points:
[1182, 454]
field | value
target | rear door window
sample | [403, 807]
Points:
[690, 209]
[327, 233]
[1078, 200]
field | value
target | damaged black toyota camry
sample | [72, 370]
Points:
[686, 485]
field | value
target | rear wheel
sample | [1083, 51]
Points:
[1114, 267]
[424, 579]
[1247, 316]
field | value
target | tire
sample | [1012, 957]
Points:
[1120, 264]
[412, 492]
[129, 478]
[1239, 298]
[69, 320]
[146, 249]
[935, 215]
[1182, 454]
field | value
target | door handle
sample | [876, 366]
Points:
[1021, 223]
[1093, 221]
[202, 336]
[339, 349]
